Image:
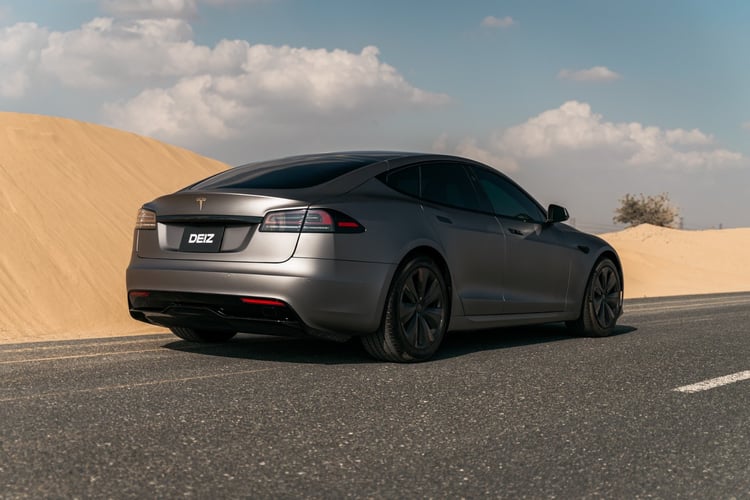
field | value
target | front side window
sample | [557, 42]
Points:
[507, 199]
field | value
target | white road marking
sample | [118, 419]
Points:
[54, 345]
[78, 356]
[714, 382]
[132, 385]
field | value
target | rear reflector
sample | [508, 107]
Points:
[263, 302]
[137, 294]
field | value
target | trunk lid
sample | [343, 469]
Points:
[216, 226]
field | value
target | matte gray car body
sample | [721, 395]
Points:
[499, 269]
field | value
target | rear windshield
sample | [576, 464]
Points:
[294, 176]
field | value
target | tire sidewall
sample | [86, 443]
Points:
[590, 321]
[394, 329]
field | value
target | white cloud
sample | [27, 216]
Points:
[177, 90]
[20, 47]
[469, 148]
[688, 137]
[595, 74]
[190, 110]
[107, 53]
[574, 131]
[275, 85]
[498, 22]
[572, 126]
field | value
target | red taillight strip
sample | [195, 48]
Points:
[348, 224]
[139, 294]
[263, 302]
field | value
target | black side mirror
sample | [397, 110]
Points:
[556, 213]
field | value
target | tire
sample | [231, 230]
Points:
[203, 336]
[602, 302]
[416, 314]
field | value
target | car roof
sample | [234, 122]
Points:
[312, 176]
[302, 171]
[356, 157]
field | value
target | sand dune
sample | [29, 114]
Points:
[69, 193]
[660, 262]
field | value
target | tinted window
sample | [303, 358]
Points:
[281, 177]
[506, 198]
[405, 180]
[448, 184]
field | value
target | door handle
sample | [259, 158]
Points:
[442, 218]
[515, 231]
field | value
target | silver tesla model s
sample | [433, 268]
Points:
[395, 248]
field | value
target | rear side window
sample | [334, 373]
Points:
[443, 183]
[448, 184]
[404, 181]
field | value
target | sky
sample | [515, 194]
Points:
[580, 101]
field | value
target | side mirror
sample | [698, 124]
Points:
[556, 213]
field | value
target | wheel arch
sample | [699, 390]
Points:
[389, 342]
[609, 253]
[437, 256]
[577, 300]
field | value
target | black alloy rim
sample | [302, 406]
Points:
[422, 308]
[606, 296]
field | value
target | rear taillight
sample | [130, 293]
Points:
[288, 221]
[314, 220]
[146, 219]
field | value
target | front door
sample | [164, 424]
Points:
[537, 266]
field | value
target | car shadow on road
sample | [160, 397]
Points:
[313, 351]
[462, 343]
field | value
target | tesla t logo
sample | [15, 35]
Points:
[200, 201]
[201, 238]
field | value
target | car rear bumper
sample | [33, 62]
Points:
[321, 297]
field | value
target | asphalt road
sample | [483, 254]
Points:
[518, 413]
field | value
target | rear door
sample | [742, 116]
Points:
[473, 241]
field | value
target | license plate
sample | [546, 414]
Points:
[201, 239]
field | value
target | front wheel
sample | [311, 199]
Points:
[416, 314]
[602, 303]
[203, 336]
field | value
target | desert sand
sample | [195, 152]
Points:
[661, 262]
[70, 191]
[69, 195]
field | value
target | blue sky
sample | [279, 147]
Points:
[580, 101]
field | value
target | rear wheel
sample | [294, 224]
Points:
[204, 336]
[602, 303]
[416, 314]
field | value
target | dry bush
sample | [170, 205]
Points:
[657, 210]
